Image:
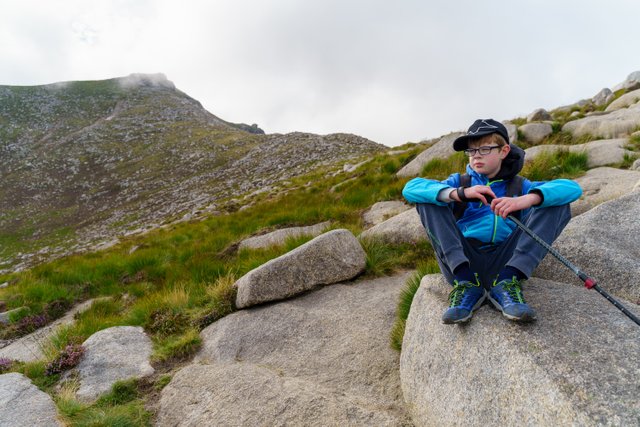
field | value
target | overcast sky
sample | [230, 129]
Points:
[391, 71]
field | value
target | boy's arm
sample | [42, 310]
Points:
[556, 192]
[421, 190]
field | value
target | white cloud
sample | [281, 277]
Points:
[390, 71]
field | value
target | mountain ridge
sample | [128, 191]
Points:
[84, 162]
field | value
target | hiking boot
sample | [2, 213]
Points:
[464, 299]
[507, 297]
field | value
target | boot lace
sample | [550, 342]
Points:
[458, 291]
[514, 290]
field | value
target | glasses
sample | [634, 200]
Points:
[482, 150]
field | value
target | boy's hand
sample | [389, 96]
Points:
[508, 205]
[476, 192]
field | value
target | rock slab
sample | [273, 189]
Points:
[279, 237]
[578, 364]
[602, 184]
[536, 132]
[30, 347]
[442, 149]
[111, 355]
[604, 243]
[22, 404]
[329, 258]
[403, 228]
[320, 359]
[599, 153]
[382, 211]
[616, 124]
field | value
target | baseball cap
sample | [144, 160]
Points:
[479, 128]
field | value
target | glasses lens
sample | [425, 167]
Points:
[484, 150]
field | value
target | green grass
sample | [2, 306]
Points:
[627, 161]
[440, 169]
[384, 259]
[122, 406]
[557, 164]
[177, 347]
[634, 143]
[406, 298]
[180, 279]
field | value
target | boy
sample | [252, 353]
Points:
[482, 254]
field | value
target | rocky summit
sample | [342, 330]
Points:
[88, 161]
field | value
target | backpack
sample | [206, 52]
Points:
[514, 189]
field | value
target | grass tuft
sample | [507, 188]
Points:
[121, 392]
[177, 347]
[440, 169]
[558, 164]
[406, 299]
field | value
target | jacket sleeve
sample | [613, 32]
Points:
[422, 190]
[556, 192]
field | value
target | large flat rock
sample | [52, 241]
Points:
[578, 364]
[602, 184]
[279, 237]
[599, 153]
[617, 124]
[624, 101]
[22, 404]
[111, 355]
[329, 258]
[382, 211]
[604, 243]
[320, 359]
[30, 347]
[403, 228]
[440, 150]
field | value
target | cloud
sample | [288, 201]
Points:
[392, 72]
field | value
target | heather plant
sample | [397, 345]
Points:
[57, 308]
[167, 321]
[206, 319]
[24, 326]
[5, 364]
[67, 359]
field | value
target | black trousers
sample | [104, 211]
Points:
[518, 250]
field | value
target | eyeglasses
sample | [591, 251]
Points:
[482, 150]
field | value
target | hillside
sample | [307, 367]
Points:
[85, 162]
[172, 297]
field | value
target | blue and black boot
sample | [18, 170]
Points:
[464, 299]
[507, 297]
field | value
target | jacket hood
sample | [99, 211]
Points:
[512, 164]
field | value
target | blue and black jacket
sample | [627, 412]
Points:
[478, 221]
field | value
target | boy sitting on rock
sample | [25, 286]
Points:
[480, 252]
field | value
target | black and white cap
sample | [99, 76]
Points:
[479, 128]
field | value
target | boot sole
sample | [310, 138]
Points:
[473, 309]
[525, 318]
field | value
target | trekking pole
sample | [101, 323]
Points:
[589, 282]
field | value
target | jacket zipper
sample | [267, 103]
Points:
[495, 217]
